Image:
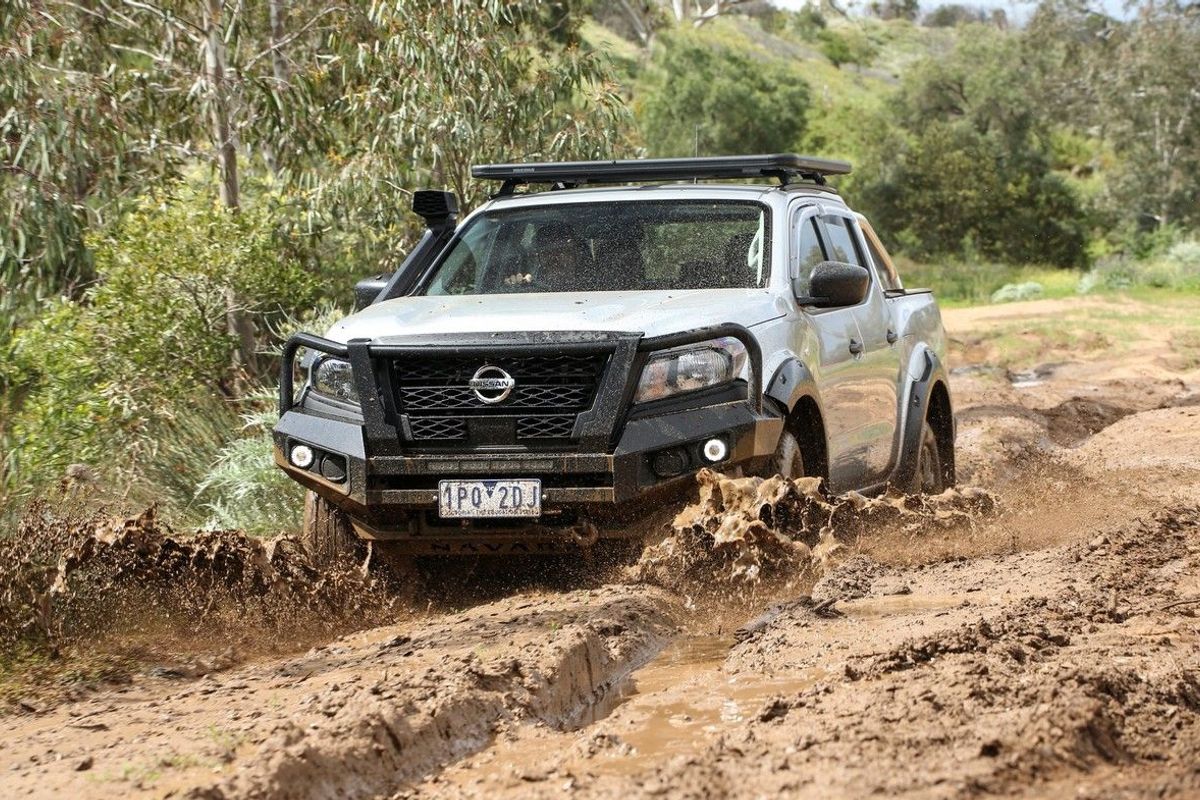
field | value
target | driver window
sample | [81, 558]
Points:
[841, 240]
[809, 253]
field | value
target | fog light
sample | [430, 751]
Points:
[334, 468]
[715, 450]
[302, 456]
[670, 462]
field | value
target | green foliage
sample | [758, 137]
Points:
[1175, 268]
[717, 100]
[1133, 82]
[808, 23]
[243, 489]
[971, 175]
[951, 15]
[836, 48]
[1012, 292]
[106, 377]
[846, 46]
[493, 86]
[74, 139]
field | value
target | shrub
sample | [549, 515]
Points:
[243, 489]
[720, 100]
[1176, 268]
[1010, 292]
[147, 352]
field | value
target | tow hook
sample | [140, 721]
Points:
[585, 534]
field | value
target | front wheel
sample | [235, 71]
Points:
[328, 535]
[788, 459]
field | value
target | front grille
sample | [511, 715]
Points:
[418, 399]
[549, 393]
[557, 426]
[446, 429]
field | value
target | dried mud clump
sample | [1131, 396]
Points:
[750, 530]
[67, 579]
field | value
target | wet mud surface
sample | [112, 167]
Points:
[1034, 633]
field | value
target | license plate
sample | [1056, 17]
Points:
[502, 498]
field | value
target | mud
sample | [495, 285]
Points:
[750, 536]
[130, 590]
[1036, 636]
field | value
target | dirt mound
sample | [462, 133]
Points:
[64, 580]
[1073, 421]
[745, 531]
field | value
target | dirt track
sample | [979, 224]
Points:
[1048, 648]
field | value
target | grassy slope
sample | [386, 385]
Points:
[841, 95]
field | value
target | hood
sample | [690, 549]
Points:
[650, 313]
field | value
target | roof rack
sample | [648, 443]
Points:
[784, 167]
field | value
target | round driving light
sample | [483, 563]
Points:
[302, 456]
[715, 450]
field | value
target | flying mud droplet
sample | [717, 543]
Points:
[745, 531]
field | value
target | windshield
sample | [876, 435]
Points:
[621, 246]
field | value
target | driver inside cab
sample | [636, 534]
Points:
[557, 261]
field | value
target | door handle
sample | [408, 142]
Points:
[856, 347]
[892, 337]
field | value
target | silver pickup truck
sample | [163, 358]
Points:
[564, 361]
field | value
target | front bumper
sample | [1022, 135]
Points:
[609, 472]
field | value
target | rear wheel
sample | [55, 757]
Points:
[931, 476]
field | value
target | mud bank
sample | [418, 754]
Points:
[363, 715]
[108, 595]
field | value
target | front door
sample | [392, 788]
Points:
[850, 354]
[873, 384]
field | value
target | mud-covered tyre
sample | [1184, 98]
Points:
[328, 535]
[788, 460]
[931, 475]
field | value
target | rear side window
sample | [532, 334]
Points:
[883, 265]
[841, 240]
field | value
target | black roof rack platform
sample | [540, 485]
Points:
[784, 167]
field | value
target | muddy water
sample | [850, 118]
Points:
[675, 705]
[683, 699]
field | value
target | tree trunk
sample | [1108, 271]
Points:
[279, 69]
[238, 323]
[222, 131]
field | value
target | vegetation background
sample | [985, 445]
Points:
[185, 182]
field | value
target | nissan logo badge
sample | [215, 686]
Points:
[491, 384]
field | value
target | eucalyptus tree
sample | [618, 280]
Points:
[1150, 100]
[427, 88]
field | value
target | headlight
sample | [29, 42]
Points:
[332, 377]
[686, 369]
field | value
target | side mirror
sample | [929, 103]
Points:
[366, 290]
[835, 284]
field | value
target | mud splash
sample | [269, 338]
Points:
[754, 531]
[64, 580]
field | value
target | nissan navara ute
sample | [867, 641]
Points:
[563, 362]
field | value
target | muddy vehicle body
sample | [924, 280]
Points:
[558, 367]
